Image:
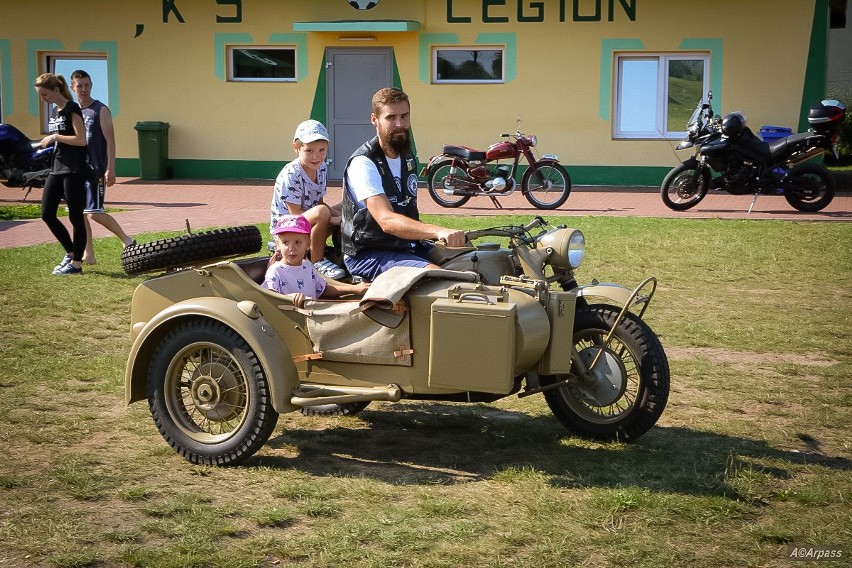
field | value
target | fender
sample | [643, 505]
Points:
[615, 292]
[244, 318]
[432, 161]
[691, 162]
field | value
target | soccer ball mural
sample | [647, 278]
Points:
[363, 4]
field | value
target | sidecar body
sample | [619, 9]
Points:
[417, 333]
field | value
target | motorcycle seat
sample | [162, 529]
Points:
[783, 145]
[464, 153]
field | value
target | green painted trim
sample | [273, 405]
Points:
[510, 40]
[111, 50]
[716, 47]
[219, 43]
[425, 52]
[6, 77]
[301, 42]
[319, 110]
[616, 176]
[815, 72]
[358, 26]
[33, 47]
[608, 47]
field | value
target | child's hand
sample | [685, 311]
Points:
[298, 299]
[361, 287]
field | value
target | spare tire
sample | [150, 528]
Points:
[191, 250]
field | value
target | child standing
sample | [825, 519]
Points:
[294, 274]
[300, 189]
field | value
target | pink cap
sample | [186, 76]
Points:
[292, 224]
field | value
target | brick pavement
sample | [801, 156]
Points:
[152, 206]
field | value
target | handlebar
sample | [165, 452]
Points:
[507, 231]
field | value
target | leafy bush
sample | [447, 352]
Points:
[844, 144]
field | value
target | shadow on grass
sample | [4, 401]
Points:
[446, 444]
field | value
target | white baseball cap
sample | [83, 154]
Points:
[311, 131]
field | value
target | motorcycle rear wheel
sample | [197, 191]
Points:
[546, 184]
[684, 187]
[440, 181]
[631, 385]
[809, 187]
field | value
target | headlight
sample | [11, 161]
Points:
[533, 139]
[569, 247]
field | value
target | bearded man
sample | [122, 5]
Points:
[381, 225]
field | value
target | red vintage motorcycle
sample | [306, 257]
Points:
[459, 173]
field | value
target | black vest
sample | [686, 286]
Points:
[360, 230]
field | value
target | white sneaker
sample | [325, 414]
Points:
[329, 269]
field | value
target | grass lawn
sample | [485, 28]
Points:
[751, 456]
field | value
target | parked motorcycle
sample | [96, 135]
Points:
[459, 173]
[23, 162]
[218, 357]
[746, 164]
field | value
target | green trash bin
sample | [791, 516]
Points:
[153, 149]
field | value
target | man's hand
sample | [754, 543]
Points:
[452, 237]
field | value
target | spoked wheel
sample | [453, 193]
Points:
[685, 186]
[208, 394]
[546, 184]
[441, 183]
[629, 385]
[809, 187]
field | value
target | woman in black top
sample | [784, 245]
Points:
[67, 171]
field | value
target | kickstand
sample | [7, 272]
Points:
[29, 188]
[495, 202]
[754, 199]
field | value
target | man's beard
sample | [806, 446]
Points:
[398, 141]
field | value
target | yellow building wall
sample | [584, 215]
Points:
[562, 88]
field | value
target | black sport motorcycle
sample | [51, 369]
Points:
[23, 162]
[746, 164]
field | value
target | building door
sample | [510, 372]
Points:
[353, 75]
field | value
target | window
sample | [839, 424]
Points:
[271, 64]
[468, 65]
[837, 19]
[656, 94]
[66, 63]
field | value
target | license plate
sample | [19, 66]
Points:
[549, 157]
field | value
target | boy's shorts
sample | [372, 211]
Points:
[95, 190]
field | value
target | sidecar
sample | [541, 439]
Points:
[218, 357]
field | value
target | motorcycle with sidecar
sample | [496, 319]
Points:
[218, 357]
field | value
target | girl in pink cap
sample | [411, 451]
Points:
[294, 274]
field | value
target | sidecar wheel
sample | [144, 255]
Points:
[684, 187]
[190, 250]
[208, 394]
[546, 185]
[347, 409]
[809, 188]
[631, 385]
[440, 181]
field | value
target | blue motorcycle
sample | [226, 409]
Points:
[23, 162]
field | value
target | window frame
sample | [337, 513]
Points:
[230, 74]
[48, 62]
[498, 48]
[663, 60]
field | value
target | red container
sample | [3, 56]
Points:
[827, 115]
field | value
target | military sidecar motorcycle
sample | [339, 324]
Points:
[217, 357]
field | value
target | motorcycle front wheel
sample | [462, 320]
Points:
[685, 186]
[546, 184]
[208, 394]
[808, 187]
[630, 384]
[441, 183]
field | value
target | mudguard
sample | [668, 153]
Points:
[243, 317]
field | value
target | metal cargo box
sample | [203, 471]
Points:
[472, 344]
[560, 312]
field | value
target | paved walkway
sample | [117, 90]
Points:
[153, 206]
